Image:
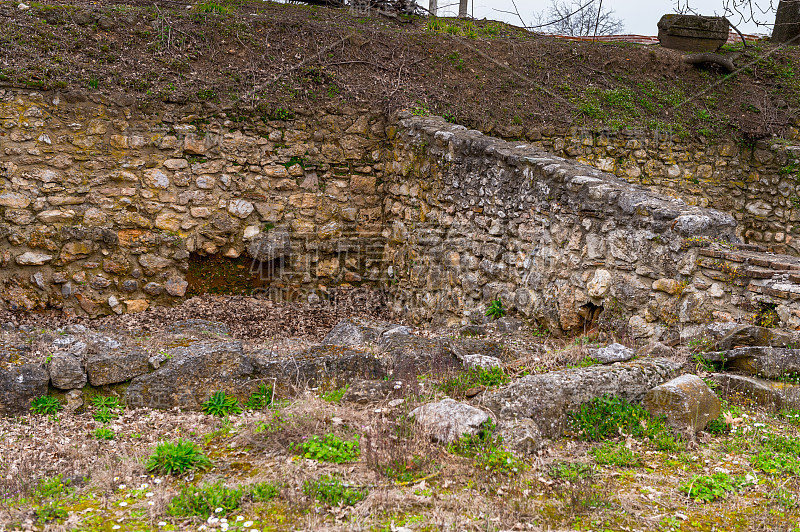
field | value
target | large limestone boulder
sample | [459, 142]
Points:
[546, 398]
[19, 385]
[686, 401]
[447, 420]
[752, 335]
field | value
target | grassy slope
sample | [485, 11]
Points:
[275, 58]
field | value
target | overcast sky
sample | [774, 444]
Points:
[639, 16]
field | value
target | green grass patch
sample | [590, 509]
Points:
[334, 396]
[209, 499]
[707, 488]
[260, 399]
[332, 491]
[616, 454]
[329, 448]
[46, 405]
[488, 452]
[477, 376]
[608, 416]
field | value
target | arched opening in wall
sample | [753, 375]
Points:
[590, 313]
[218, 274]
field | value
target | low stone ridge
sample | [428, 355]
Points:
[612, 353]
[686, 401]
[767, 362]
[769, 394]
[192, 374]
[322, 365]
[547, 398]
[354, 331]
[447, 420]
[115, 365]
[372, 391]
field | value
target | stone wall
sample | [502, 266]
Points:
[759, 184]
[106, 206]
[555, 240]
[103, 205]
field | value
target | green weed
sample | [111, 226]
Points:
[260, 399]
[221, 405]
[176, 458]
[104, 433]
[496, 309]
[334, 396]
[616, 454]
[46, 405]
[206, 500]
[707, 488]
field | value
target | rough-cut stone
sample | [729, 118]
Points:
[655, 349]
[522, 435]
[692, 33]
[176, 287]
[273, 244]
[686, 401]
[323, 365]
[19, 385]
[66, 371]
[191, 374]
[30, 258]
[612, 353]
[751, 390]
[767, 362]
[447, 420]
[109, 364]
[752, 335]
[481, 361]
[353, 331]
[372, 391]
[13, 200]
[546, 398]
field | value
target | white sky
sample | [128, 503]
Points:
[640, 16]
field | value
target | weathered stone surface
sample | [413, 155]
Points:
[188, 327]
[176, 287]
[655, 349]
[372, 391]
[686, 401]
[522, 435]
[767, 362]
[109, 364]
[752, 335]
[447, 420]
[409, 356]
[30, 258]
[66, 371]
[752, 390]
[481, 361]
[19, 385]
[546, 398]
[192, 374]
[271, 245]
[323, 365]
[354, 331]
[612, 353]
[692, 33]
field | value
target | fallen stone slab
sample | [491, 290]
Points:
[322, 365]
[692, 33]
[410, 356]
[767, 362]
[686, 401]
[191, 374]
[771, 395]
[447, 420]
[752, 335]
[548, 397]
[19, 385]
[66, 371]
[612, 353]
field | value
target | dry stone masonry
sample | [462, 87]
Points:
[106, 207]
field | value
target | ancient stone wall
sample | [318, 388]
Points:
[476, 218]
[106, 206]
[103, 205]
[759, 183]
